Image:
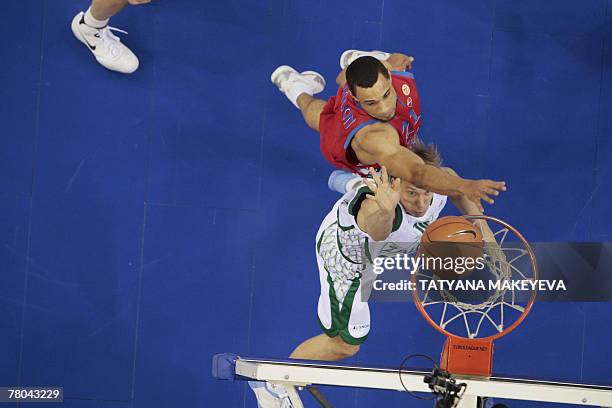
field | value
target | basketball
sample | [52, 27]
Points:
[452, 247]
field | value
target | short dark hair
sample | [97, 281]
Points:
[364, 72]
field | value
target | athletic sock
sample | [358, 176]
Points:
[343, 181]
[92, 22]
[295, 90]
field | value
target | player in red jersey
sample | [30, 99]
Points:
[373, 119]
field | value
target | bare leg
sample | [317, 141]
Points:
[104, 9]
[325, 348]
[311, 109]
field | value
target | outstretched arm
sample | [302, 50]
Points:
[379, 144]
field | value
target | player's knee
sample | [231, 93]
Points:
[344, 349]
[349, 350]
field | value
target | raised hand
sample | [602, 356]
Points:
[386, 192]
[476, 190]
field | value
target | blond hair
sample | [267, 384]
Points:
[428, 152]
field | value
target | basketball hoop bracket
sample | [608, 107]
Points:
[467, 356]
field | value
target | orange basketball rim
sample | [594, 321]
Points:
[470, 354]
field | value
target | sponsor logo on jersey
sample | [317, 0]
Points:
[409, 102]
[406, 89]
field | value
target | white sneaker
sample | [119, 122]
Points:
[293, 83]
[105, 46]
[349, 56]
[270, 395]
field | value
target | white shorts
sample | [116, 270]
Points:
[342, 309]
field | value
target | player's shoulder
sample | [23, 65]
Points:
[375, 132]
[354, 198]
[376, 140]
[350, 205]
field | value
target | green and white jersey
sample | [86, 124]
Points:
[346, 251]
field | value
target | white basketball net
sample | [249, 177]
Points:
[501, 264]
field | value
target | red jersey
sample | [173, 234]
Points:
[342, 117]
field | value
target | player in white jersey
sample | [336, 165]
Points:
[378, 210]
[375, 214]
